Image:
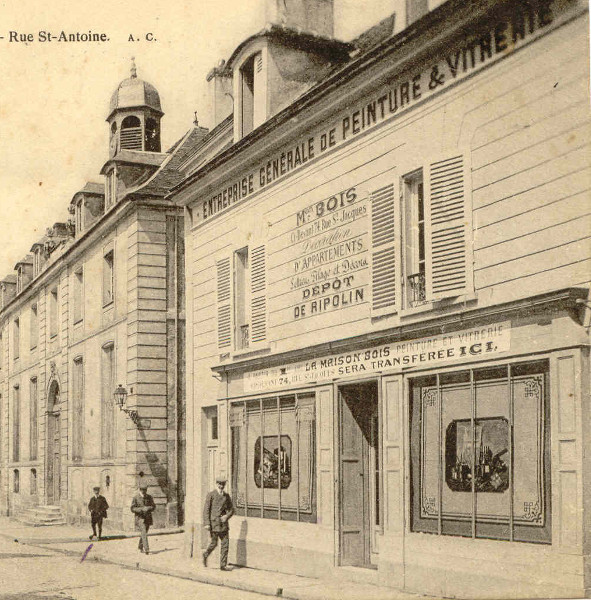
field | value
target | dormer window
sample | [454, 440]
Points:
[252, 93]
[19, 279]
[79, 216]
[111, 189]
[37, 261]
[131, 133]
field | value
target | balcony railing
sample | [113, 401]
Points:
[416, 287]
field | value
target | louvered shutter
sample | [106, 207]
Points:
[448, 221]
[224, 302]
[260, 92]
[258, 295]
[384, 243]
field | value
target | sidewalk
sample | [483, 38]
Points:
[166, 558]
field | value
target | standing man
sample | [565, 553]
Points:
[216, 514]
[142, 506]
[97, 506]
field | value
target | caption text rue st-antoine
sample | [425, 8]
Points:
[71, 36]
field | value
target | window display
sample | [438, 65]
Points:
[273, 457]
[480, 453]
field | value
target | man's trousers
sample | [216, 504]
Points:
[143, 543]
[97, 521]
[224, 546]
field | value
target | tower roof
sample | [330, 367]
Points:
[133, 92]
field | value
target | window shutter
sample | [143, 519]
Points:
[260, 91]
[448, 225]
[258, 296]
[384, 235]
[224, 302]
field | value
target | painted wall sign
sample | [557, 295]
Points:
[478, 342]
[522, 23]
[328, 260]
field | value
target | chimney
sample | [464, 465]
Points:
[310, 16]
[219, 81]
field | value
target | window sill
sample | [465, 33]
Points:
[33, 348]
[108, 305]
[434, 305]
[52, 337]
[248, 352]
[78, 322]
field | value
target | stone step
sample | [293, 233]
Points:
[52, 509]
[40, 524]
[38, 516]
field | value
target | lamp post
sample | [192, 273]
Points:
[120, 396]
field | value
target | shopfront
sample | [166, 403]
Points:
[435, 463]
[386, 317]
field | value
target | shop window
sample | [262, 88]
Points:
[78, 295]
[77, 409]
[1, 352]
[107, 404]
[34, 326]
[480, 453]
[33, 418]
[16, 423]
[16, 483]
[241, 298]
[424, 255]
[16, 338]
[53, 312]
[108, 277]
[273, 458]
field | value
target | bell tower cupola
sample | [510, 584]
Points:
[134, 116]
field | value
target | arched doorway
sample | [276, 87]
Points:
[53, 474]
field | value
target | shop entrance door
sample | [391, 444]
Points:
[359, 475]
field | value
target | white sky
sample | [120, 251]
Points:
[54, 97]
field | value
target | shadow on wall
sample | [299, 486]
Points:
[241, 544]
[157, 469]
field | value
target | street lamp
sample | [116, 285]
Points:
[120, 396]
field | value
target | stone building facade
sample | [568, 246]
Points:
[98, 303]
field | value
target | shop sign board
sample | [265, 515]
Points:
[480, 342]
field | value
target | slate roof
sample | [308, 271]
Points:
[169, 175]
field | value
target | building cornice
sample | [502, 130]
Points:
[109, 221]
[436, 30]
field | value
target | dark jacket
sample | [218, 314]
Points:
[98, 506]
[216, 506]
[142, 507]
